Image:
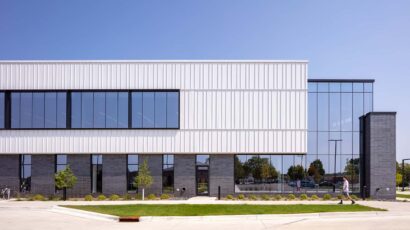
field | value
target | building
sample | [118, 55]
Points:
[237, 126]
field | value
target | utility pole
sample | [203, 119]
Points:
[334, 174]
[402, 173]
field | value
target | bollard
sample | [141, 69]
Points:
[219, 192]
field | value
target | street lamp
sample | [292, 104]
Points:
[402, 173]
[334, 174]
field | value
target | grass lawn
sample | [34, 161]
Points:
[403, 195]
[216, 209]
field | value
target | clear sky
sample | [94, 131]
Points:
[340, 38]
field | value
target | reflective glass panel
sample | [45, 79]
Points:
[15, 110]
[202, 159]
[122, 110]
[76, 110]
[26, 110]
[347, 112]
[357, 110]
[334, 112]
[61, 110]
[312, 111]
[136, 98]
[148, 107]
[323, 112]
[38, 110]
[87, 110]
[50, 110]
[172, 110]
[112, 110]
[160, 110]
[99, 110]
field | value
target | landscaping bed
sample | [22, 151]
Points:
[216, 209]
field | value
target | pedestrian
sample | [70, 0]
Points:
[346, 191]
[298, 185]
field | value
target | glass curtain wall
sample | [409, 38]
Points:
[334, 113]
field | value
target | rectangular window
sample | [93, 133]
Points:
[61, 162]
[132, 172]
[25, 173]
[96, 173]
[38, 110]
[168, 173]
[2, 110]
[90, 110]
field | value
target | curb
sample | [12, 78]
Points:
[84, 214]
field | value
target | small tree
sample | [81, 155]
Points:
[65, 179]
[143, 179]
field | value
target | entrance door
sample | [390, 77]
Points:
[202, 180]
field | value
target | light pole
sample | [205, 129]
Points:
[402, 173]
[334, 174]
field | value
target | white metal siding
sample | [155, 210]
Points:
[226, 107]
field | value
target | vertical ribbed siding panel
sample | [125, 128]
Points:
[225, 107]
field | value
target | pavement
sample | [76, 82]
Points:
[45, 215]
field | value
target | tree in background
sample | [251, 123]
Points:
[65, 179]
[296, 172]
[239, 170]
[352, 169]
[316, 170]
[143, 179]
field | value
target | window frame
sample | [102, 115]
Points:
[127, 173]
[173, 170]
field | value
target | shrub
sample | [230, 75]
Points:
[101, 197]
[291, 197]
[278, 197]
[253, 197]
[165, 196]
[265, 197]
[354, 197]
[314, 197]
[114, 197]
[229, 197]
[303, 197]
[138, 196]
[327, 197]
[54, 197]
[151, 197]
[127, 197]
[241, 197]
[38, 197]
[88, 198]
[340, 197]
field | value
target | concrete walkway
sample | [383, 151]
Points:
[40, 215]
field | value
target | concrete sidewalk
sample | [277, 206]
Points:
[40, 215]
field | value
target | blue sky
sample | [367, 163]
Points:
[340, 38]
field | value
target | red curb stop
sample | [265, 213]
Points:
[129, 219]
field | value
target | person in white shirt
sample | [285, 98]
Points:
[346, 191]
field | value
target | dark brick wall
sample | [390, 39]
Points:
[221, 173]
[155, 167]
[42, 174]
[114, 174]
[80, 165]
[184, 175]
[9, 172]
[380, 155]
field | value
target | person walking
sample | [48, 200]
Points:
[346, 191]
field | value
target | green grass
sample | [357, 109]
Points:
[403, 195]
[216, 209]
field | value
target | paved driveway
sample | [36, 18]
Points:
[39, 215]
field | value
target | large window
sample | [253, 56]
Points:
[96, 173]
[90, 110]
[132, 172]
[99, 110]
[25, 173]
[37, 110]
[155, 109]
[168, 173]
